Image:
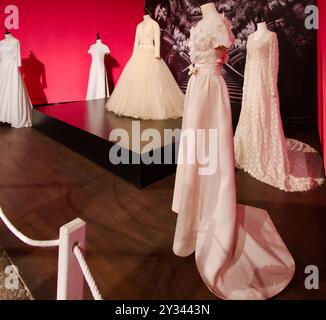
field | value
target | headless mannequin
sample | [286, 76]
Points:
[147, 18]
[209, 9]
[261, 28]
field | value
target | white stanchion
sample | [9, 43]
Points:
[70, 275]
[72, 266]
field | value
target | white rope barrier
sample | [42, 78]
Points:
[65, 263]
[23, 238]
[87, 274]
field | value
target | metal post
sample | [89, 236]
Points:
[70, 277]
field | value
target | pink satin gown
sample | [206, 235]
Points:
[239, 253]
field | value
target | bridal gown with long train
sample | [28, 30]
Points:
[15, 104]
[260, 146]
[239, 253]
[147, 89]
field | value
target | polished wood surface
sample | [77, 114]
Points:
[130, 231]
[92, 117]
[88, 129]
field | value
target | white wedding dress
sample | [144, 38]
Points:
[239, 253]
[146, 88]
[98, 87]
[260, 146]
[15, 104]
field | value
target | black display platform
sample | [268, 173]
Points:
[85, 127]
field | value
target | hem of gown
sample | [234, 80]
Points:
[273, 293]
[22, 127]
[317, 182]
[91, 99]
[143, 117]
[14, 126]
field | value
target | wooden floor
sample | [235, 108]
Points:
[130, 232]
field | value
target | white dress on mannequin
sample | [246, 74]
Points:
[260, 146]
[239, 253]
[146, 88]
[15, 104]
[98, 87]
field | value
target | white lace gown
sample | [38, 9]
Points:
[260, 146]
[146, 88]
[15, 104]
[98, 87]
[239, 253]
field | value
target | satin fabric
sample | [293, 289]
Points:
[238, 252]
[15, 104]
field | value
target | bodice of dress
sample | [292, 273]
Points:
[148, 35]
[10, 51]
[98, 51]
[263, 58]
[211, 32]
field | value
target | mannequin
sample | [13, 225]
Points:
[15, 104]
[239, 254]
[261, 28]
[148, 18]
[146, 88]
[270, 157]
[98, 87]
[7, 31]
[208, 8]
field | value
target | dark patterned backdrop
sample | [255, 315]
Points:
[297, 76]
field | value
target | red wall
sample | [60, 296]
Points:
[59, 32]
[322, 73]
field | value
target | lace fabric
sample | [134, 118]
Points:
[261, 148]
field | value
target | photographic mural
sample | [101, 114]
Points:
[297, 75]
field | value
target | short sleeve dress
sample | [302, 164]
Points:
[239, 253]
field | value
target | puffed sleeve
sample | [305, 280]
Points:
[157, 39]
[136, 44]
[107, 50]
[222, 35]
[90, 50]
[18, 57]
[274, 64]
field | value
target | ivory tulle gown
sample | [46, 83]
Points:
[260, 146]
[98, 87]
[15, 104]
[146, 88]
[239, 253]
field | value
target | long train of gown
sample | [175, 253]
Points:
[239, 253]
[260, 145]
[15, 104]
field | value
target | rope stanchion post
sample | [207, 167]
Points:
[70, 276]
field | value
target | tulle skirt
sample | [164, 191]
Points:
[147, 89]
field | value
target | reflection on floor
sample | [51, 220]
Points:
[130, 231]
